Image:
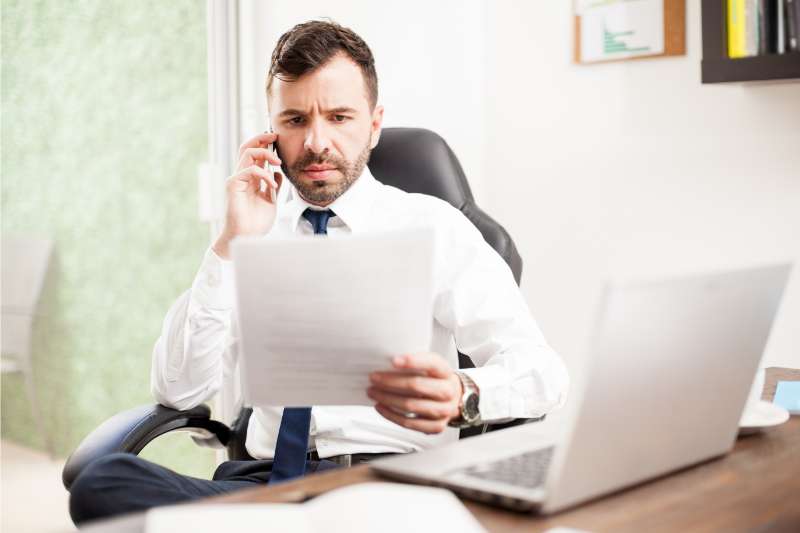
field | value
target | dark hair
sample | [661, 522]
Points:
[310, 45]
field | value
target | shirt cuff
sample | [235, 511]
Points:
[213, 287]
[492, 382]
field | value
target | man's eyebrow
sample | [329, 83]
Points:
[296, 112]
[342, 109]
[290, 112]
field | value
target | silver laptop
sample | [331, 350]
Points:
[671, 365]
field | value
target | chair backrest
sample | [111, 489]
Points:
[419, 160]
[24, 266]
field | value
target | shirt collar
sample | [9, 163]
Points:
[352, 207]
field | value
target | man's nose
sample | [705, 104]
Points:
[317, 138]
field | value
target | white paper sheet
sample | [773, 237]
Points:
[318, 314]
[360, 508]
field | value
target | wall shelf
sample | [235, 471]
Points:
[717, 67]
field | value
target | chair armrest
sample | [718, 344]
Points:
[483, 428]
[513, 422]
[130, 431]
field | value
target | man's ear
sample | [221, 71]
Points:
[377, 122]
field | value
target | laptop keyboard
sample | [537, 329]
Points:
[527, 470]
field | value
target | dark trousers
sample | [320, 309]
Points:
[122, 483]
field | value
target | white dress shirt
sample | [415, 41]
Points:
[478, 309]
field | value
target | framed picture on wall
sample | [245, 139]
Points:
[615, 30]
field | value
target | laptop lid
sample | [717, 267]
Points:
[670, 369]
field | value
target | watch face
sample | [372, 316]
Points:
[471, 411]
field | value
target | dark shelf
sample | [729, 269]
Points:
[717, 67]
[758, 68]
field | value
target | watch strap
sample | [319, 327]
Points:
[469, 387]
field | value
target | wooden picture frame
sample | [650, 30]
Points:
[674, 35]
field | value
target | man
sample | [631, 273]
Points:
[322, 92]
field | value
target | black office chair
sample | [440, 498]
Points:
[412, 159]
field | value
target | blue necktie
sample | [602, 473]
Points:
[292, 444]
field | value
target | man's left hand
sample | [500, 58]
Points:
[421, 393]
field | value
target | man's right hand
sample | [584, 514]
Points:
[249, 210]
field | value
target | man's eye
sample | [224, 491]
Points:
[295, 120]
[339, 118]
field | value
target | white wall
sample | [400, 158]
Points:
[429, 58]
[633, 169]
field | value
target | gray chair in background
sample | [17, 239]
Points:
[24, 266]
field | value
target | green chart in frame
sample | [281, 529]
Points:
[612, 43]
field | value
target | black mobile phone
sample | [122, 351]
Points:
[274, 145]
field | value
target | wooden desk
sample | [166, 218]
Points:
[754, 488]
[757, 487]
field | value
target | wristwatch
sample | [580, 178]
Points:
[470, 414]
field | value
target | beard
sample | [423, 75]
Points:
[323, 192]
